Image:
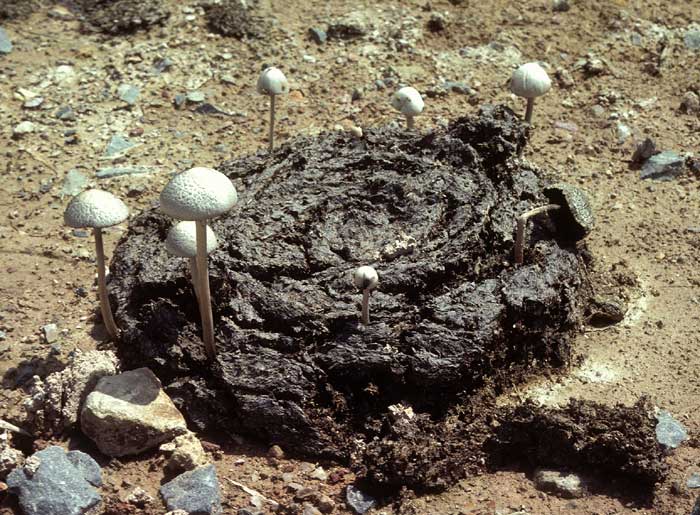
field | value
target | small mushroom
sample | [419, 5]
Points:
[199, 194]
[272, 82]
[572, 215]
[530, 81]
[366, 279]
[409, 102]
[98, 209]
[182, 242]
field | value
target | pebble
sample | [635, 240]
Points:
[64, 74]
[598, 111]
[196, 491]
[568, 486]
[50, 333]
[458, 87]
[319, 474]
[195, 97]
[623, 132]
[310, 510]
[690, 103]
[23, 128]
[309, 58]
[669, 432]
[360, 502]
[33, 102]
[73, 183]
[3, 335]
[118, 145]
[664, 166]
[644, 151]
[318, 36]
[162, 65]
[276, 452]
[128, 93]
[560, 6]
[107, 173]
[139, 498]
[5, 43]
[692, 39]
[65, 113]
[694, 480]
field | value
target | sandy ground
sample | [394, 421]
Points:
[647, 230]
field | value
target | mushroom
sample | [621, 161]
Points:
[199, 194]
[409, 102]
[272, 82]
[366, 279]
[98, 209]
[182, 242]
[574, 216]
[530, 81]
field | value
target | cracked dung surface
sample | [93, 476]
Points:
[434, 214]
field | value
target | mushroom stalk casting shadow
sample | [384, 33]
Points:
[201, 276]
[106, 309]
[272, 123]
[522, 223]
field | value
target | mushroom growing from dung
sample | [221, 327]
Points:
[272, 82]
[98, 209]
[530, 81]
[197, 195]
[366, 279]
[572, 215]
[408, 101]
[182, 242]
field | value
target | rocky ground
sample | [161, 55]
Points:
[120, 95]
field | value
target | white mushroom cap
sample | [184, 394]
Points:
[366, 277]
[272, 82]
[96, 209]
[182, 240]
[198, 194]
[530, 81]
[408, 101]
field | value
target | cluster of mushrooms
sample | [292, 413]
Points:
[200, 194]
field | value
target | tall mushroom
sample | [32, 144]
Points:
[98, 209]
[530, 81]
[272, 82]
[182, 242]
[574, 217]
[199, 194]
[409, 102]
[366, 279]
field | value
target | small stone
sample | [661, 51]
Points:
[356, 94]
[10, 458]
[350, 26]
[64, 75]
[65, 113]
[669, 432]
[568, 486]
[309, 58]
[3, 335]
[196, 492]
[194, 97]
[598, 111]
[310, 510]
[50, 333]
[187, 453]
[33, 103]
[128, 93]
[458, 87]
[694, 480]
[22, 129]
[644, 151]
[360, 502]
[73, 183]
[5, 43]
[276, 452]
[319, 473]
[437, 23]
[317, 35]
[663, 167]
[162, 65]
[139, 498]
[118, 145]
[560, 6]
[623, 133]
[108, 173]
[690, 102]
[61, 13]
[692, 39]
[325, 503]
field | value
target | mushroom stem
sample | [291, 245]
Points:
[272, 123]
[203, 290]
[107, 317]
[365, 306]
[410, 122]
[520, 231]
[195, 276]
[528, 110]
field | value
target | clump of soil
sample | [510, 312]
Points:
[116, 17]
[618, 441]
[12, 9]
[230, 18]
[434, 214]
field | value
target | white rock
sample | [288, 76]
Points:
[23, 128]
[187, 453]
[10, 458]
[130, 413]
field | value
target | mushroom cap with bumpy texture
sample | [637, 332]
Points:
[272, 82]
[198, 194]
[365, 278]
[96, 209]
[408, 101]
[530, 81]
[182, 240]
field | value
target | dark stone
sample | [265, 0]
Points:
[437, 23]
[434, 213]
[663, 167]
[359, 501]
[318, 36]
[230, 18]
[116, 17]
[458, 87]
[88, 467]
[65, 113]
[644, 151]
[56, 486]
[196, 492]
[574, 218]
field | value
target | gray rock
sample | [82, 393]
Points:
[33, 103]
[623, 132]
[569, 486]
[196, 492]
[118, 145]
[319, 36]
[560, 6]
[162, 65]
[694, 480]
[350, 26]
[130, 413]
[669, 432]
[128, 93]
[690, 103]
[65, 113]
[5, 43]
[692, 39]
[52, 485]
[22, 129]
[663, 167]
[50, 333]
[696, 507]
[88, 467]
[180, 100]
[106, 173]
[73, 183]
[458, 87]
[195, 97]
[644, 151]
[359, 501]
[3, 335]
